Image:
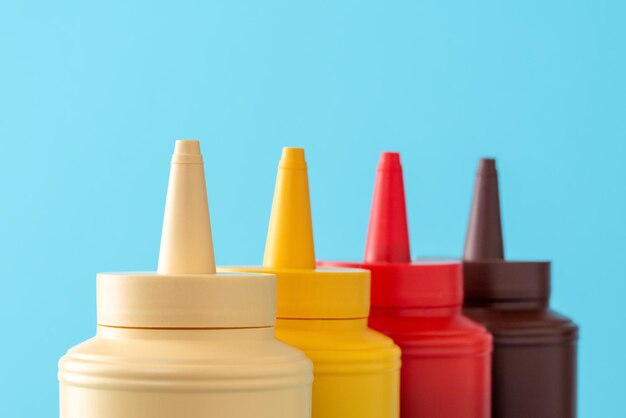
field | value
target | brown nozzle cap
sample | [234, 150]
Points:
[487, 276]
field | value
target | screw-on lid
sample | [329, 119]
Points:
[304, 291]
[418, 284]
[152, 300]
[186, 292]
[495, 280]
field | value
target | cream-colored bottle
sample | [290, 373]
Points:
[185, 341]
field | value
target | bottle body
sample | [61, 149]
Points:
[192, 373]
[534, 359]
[356, 369]
[446, 361]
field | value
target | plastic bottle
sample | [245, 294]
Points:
[324, 311]
[445, 356]
[534, 358]
[185, 341]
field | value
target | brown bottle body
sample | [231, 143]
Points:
[534, 348]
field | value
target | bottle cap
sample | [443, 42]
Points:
[305, 291]
[397, 282]
[186, 292]
[487, 275]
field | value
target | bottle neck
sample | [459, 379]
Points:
[341, 324]
[204, 334]
[421, 312]
[510, 305]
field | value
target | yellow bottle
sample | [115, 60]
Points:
[324, 311]
[185, 341]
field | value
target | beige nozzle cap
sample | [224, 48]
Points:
[186, 292]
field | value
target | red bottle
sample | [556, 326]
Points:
[446, 357]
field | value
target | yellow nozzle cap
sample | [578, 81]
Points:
[186, 242]
[290, 235]
[304, 291]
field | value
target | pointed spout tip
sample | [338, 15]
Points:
[487, 166]
[293, 154]
[187, 146]
[390, 161]
[187, 151]
[293, 158]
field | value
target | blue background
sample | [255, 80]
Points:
[93, 94]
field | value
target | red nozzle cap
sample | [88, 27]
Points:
[388, 233]
[396, 282]
[484, 232]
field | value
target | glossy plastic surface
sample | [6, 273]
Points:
[535, 348]
[445, 356]
[149, 373]
[534, 359]
[356, 368]
[446, 361]
[323, 311]
[185, 341]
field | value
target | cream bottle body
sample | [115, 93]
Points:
[185, 341]
[191, 373]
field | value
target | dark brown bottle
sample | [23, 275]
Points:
[534, 356]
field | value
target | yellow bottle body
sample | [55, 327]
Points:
[192, 373]
[324, 311]
[356, 369]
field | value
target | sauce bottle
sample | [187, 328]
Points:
[323, 311]
[185, 341]
[534, 358]
[446, 357]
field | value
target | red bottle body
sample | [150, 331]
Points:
[446, 357]
[445, 361]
